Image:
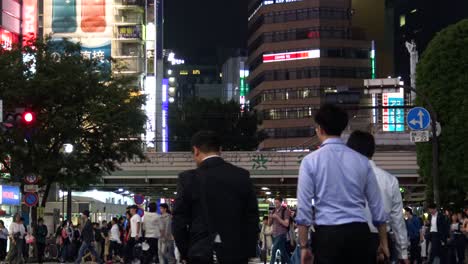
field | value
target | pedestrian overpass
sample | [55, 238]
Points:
[156, 176]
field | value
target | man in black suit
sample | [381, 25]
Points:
[438, 234]
[216, 210]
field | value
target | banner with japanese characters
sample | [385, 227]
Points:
[89, 22]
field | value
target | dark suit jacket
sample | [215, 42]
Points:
[232, 210]
[443, 226]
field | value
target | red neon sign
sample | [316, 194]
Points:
[298, 55]
[29, 21]
[7, 39]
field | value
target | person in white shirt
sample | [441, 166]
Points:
[135, 232]
[115, 242]
[151, 225]
[17, 233]
[364, 143]
[438, 234]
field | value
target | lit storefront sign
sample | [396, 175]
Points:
[244, 88]
[393, 119]
[289, 56]
[10, 195]
[164, 112]
[130, 32]
[7, 39]
[29, 27]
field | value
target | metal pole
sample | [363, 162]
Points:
[69, 204]
[435, 144]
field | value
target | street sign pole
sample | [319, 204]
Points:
[380, 84]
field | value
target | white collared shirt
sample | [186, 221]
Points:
[211, 156]
[393, 205]
[434, 223]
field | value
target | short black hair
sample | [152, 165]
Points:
[133, 207]
[409, 210]
[332, 119]
[86, 212]
[265, 217]
[40, 220]
[165, 206]
[432, 206]
[206, 141]
[278, 198]
[362, 142]
[152, 207]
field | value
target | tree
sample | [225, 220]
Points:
[238, 130]
[442, 76]
[75, 102]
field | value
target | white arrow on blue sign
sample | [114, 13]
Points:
[418, 118]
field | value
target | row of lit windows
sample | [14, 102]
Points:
[289, 113]
[347, 53]
[298, 15]
[300, 34]
[290, 132]
[311, 72]
[285, 94]
[259, 3]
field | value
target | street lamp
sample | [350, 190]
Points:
[389, 85]
[68, 149]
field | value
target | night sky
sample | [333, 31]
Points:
[196, 29]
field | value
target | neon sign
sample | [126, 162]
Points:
[289, 56]
[7, 39]
[393, 119]
[29, 27]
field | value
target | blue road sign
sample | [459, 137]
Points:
[418, 118]
[139, 199]
[31, 199]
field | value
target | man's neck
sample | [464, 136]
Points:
[210, 155]
[325, 138]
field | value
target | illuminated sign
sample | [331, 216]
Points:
[10, 195]
[393, 119]
[289, 56]
[150, 110]
[165, 108]
[7, 39]
[130, 32]
[196, 72]
[183, 72]
[29, 21]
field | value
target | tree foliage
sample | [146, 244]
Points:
[442, 76]
[238, 130]
[98, 112]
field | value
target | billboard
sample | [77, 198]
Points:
[87, 21]
[29, 27]
[289, 56]
[10, 195]
[393, 119]
[150, 110]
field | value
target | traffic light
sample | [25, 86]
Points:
[28, 117]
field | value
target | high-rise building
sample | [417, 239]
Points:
[10, 22]
[235, 73]
[419, 20]
[303, 53]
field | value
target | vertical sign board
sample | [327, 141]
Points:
[393, 119]
[150, 110]
[165, 108]
[29, 25]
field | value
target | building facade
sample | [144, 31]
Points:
[234, 75]
[303, 54]
[10, 22]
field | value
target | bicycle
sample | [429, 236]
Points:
[51, 251]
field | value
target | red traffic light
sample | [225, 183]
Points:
[28, 117]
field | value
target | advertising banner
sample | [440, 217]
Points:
[86, 21]
[10, 195]
[393, 119]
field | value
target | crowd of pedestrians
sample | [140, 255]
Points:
[348, 211]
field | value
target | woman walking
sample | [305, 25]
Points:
[166, 241]
[3, 240]
[17, 232]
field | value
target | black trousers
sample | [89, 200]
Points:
[3, 247]
[340, 244]
[415, 251]
[40, 251]
[152, 252]
[374, 242]
[129, 250]
[437, 250]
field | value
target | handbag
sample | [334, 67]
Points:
[30, 239]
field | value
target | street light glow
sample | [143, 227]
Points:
[120, 190]
[68, 148]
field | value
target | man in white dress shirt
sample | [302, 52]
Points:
[364, 143]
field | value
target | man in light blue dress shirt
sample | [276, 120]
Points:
[339, 182]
